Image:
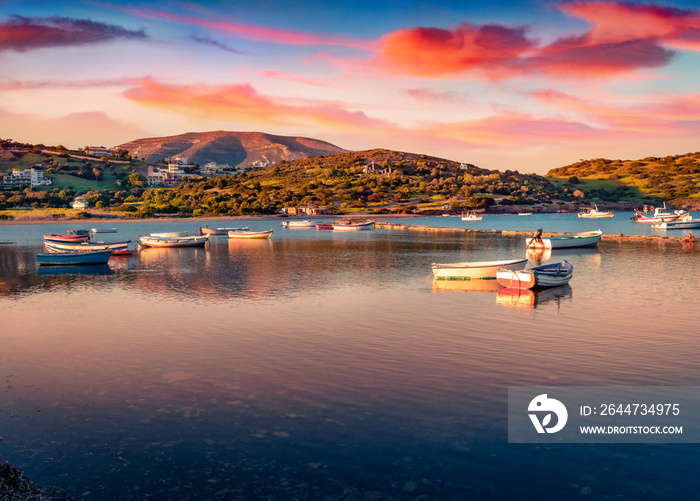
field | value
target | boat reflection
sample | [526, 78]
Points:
[466, 285]
[96, 269]
[530, 299]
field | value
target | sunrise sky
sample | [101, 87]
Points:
[521, 85]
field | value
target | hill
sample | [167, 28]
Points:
[237, 149]
[672, 178]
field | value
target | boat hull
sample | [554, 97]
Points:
[369, 225]
[566, 241]
[250, 235]
[74, 258]
[203, 230]
[164, 242]
[677, 225]
[66, 238]
[117, 248]
[550, 275]
[478, 270]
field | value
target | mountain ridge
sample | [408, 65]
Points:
[237, 149]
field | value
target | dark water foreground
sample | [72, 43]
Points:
[327, 366]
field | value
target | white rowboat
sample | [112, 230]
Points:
[476, 270]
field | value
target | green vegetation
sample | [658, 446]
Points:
[399, 183]
[673, 178]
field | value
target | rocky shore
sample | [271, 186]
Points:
[15, 485]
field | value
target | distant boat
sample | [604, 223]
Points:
[104, 230]
[686, 224]
[366, 225]
[471, 216]
[524, 213]
[324, 226]
[595, 213]
[659, 214]
[74, 258]
[548, 275]
[170, 234]
[247, 234]
[118, 248]
[169, 242]
[204, 230]
[66, 238]
[79, 232]
[477, 270]
[566, 241]
[299, 224]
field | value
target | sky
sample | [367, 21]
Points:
[522, 85]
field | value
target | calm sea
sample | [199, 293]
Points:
[325, 365]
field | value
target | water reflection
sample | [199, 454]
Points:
[97, 269]
[466, 285]
[530, 299]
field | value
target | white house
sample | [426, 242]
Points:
[80, 203]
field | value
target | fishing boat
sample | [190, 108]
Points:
[299, 224]
[349, 226]
[66, 238]
[566, 240]
[103, 230]
[168, 242]
[471, 216]
[74, 258]
[79, 232]
[205, 230]
[548, 275]
[170, 234]
[324, 226]
[476, 270]
[594, 213]
[247, 234]
[118, 248]
[686, 223]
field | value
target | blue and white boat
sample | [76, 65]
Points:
[73, 258]
[548, 275]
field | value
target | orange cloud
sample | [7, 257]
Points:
[242, 103]
[610, 47]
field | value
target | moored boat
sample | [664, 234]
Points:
[205, 230]
[167, 242]
[350, 226]
[170, 234]
[118, 248]
[74, 258]
[299, 224]
[565, 241]
[524, 213]
[471, 216]
[657, 215]
[81, 231]
[548, 275]
[686, 223]
[103, 230]
[476, 270]
[324, 226]
[66, 238]
[595, 213]
[243, 234]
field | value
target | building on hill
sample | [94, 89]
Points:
[80, 203]
[98, 151]
[27, 178]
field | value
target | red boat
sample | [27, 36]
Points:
[66, 238]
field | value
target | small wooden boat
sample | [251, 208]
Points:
[548, 275]
[74, 258]
[349, 226]
[565, 241]
[299, 224]
[324, 226]
[477, 270]
[118, 248]
[594, 213]
[243, 234]
[471, 216]
[169, 242]
[170, 234]
[103, 230]
[205, 230]
[66, 238]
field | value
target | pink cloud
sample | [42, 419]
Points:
[241, 102]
